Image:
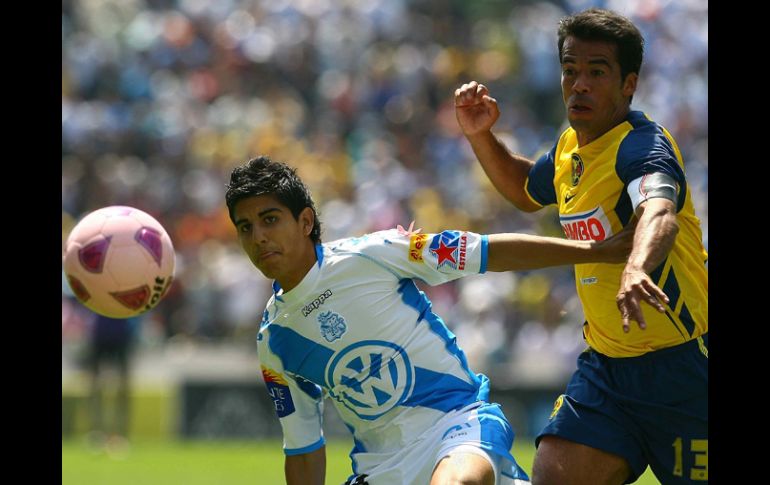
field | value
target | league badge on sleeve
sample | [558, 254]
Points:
[278, 389]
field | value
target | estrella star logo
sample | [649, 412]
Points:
[450, 249]
[445, 253]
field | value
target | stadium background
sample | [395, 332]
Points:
[161, 98]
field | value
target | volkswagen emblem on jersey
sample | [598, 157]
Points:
[370, 377]
[333, 326]
[577, 169]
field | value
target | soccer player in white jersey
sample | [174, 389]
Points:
[347, 322]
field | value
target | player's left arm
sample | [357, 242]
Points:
[654, 237]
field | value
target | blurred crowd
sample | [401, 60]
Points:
[162, 98]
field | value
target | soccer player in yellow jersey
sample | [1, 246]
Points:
[639, 395]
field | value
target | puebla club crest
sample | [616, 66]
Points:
[577, 168]
[333, 326]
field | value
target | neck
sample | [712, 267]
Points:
[308, 258]
[584, 137]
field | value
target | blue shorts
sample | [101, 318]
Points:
[651, 410]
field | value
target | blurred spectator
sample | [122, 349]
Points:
[160, 99]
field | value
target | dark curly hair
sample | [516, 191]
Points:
[262, 176]
[606, 26]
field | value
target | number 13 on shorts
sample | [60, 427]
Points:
[700, 453]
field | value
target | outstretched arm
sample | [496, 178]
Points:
[655, 236]
[512, 252]
[306, 469]
[476, 112]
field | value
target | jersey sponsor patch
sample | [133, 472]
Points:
[449, 248]
[585, 226]
[333, 325]
[416, 245]
[278, 389]
[370, 377]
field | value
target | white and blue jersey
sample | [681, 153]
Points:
[359, 331]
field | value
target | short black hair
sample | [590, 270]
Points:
[262, 176]
[607, 26]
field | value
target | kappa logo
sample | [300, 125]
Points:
[308, 309]
[370, 377]
[577, 168]
[333, 326]
[585, 226]
[449, 247]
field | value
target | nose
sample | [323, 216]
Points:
[258, 235]
[581, 84]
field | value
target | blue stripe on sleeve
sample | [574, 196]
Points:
[484, 251]
[307, 449]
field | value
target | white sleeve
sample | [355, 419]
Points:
[433, 258]
[298, 404]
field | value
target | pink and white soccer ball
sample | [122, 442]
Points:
[119, 261]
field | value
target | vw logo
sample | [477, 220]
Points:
[370, 377]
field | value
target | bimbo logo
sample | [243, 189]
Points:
[586, 226]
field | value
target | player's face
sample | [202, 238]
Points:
[595, 96]
[277, 244]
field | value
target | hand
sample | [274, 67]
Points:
[637, 286]
[615, 249]
[476, 111]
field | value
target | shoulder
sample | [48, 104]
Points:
[645, 138]
[366, 243]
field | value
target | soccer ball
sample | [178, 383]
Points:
[119, 261]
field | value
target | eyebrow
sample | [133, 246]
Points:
[601, 61]
[259, 214]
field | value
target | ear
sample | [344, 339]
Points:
[306, 220]
[629, 84]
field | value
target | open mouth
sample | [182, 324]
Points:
[579, 108]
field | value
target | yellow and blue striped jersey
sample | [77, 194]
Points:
[589, 184]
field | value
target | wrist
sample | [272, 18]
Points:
[479, 136]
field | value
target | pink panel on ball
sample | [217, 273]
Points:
[92, 256]
[150, 240]
[77, 287]
[134, 299]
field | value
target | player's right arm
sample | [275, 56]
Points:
[298, 404]
[307, 468]
[517, 252]
[476, 112]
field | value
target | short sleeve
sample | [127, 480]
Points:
[297, 402]
[433, 258]
[539, 185]
[647, 150]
